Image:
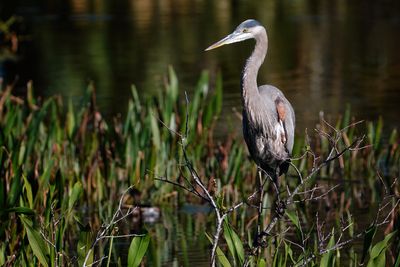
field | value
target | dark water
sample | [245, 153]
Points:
[322, 54]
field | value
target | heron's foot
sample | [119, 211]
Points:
[280, 208]
[260, 240]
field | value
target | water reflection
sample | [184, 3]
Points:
[178, 236]
[322, 54]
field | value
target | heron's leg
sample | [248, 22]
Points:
[258, 242]
[273, 179]
[260, 201]
[278, 204]
[276, 178]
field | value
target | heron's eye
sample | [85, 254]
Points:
[245, 30]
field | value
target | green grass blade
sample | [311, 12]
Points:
[16, 187]
[393, 137]
[39, 247]
[328, 258]
[293, 218]
[347, 115]
[173, 84]
[377, 255]
[70, 124]
[76, 192]
[155, 130]
[262, 263]
[234, 243]
[397, 263]
[378, 133]
[138, 249]
[136, 99]
[3, 254]
[19, 210]
[228, 239]
[220, 255]
[28, 191]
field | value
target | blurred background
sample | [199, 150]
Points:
[322, 54]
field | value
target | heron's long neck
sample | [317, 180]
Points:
[249, 75]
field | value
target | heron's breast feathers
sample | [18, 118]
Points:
[280, 127]
[265, 129]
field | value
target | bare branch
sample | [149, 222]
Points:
[118, 216]
[193, 191]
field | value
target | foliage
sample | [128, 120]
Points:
[62, 163]
[234, 244]
[137, 250]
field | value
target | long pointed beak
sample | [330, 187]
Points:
[224, 41]
[230, 39]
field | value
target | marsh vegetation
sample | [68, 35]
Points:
[155, 186]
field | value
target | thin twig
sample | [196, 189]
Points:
[106, 228]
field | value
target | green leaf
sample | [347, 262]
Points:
[229, 240]
[76, 191]
[29, 95]
[378, 132]
[45, 177]
[138, 249]
[39, 247]
[16, 187]
[262, 263]
[220, 255]
[293, 218]
[136, 99]
[70, 125]
[28, 191]
[84, 243]
[173, 84]
[371, 132]
[289, 252]
[377, 255]
[239, 247]
[393, 137]
[21, 210]
[155, 130]
[346, 117]
[327, 259]
[397, 263]
[235, 245]
[2, 254]
[351, 224]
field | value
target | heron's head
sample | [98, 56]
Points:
[246, 30]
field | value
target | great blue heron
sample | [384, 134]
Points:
[268, 117]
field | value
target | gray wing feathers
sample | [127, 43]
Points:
[269, 95]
